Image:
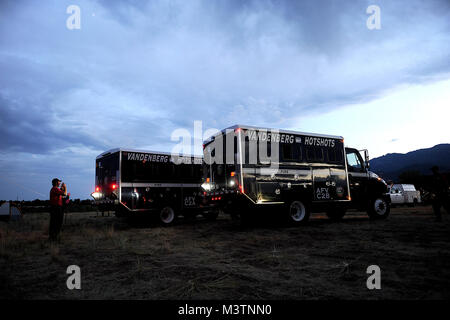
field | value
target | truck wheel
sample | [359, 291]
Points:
[298, 212]
[167, 216]
[336, 214]
[379, 208]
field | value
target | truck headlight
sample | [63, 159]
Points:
[96, 195]
[206, 186]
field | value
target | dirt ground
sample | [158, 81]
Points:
[220, 260]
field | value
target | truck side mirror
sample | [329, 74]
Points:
[366, 158]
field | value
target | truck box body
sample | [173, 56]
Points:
[246, 166]
[306, 163]
[129, 180]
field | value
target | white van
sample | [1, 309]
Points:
[404, 194]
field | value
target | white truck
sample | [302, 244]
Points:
[404, 194]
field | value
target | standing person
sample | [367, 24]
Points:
[56, 211]
[439, 192]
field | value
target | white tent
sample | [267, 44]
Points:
[8, 212]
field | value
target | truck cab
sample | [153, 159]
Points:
[365, 184]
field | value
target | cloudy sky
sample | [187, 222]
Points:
[136, 71]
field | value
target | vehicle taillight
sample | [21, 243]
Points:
[114, 186]
[232, 174]
[97, 189]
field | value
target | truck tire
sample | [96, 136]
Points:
[378, 208]
[167, 216]
[298, 212]
[336, 214]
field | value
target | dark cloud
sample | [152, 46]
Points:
[21, 131]
[26, 129]
[29, 121]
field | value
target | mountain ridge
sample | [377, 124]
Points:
[391, 165]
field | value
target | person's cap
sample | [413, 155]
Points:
[55, 180]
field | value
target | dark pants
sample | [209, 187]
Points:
[56, 221]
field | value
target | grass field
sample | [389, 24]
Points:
[219, 260]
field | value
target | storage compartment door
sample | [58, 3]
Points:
[323, 190]
[339, 184]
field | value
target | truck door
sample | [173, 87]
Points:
[357, 175]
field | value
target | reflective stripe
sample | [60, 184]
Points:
[143, 184]
[358, 174]
[269, 171]
[337, 173]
